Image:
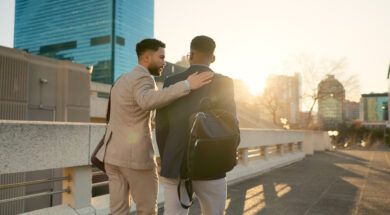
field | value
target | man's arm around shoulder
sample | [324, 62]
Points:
[149, 98]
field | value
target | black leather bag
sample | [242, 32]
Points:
[96, 162]
[211, 150]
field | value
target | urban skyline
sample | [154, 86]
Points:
[260, 36]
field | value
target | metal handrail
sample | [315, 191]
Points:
[34, 196]
[100, 184]
[98, 173]
[27, 183]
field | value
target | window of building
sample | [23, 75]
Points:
[120, 41]
[102, 72]
[58, 47]
[100, 40]
[103, 95]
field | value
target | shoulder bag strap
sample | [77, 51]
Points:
[190, 192]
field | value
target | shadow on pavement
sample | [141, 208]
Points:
[325, 183]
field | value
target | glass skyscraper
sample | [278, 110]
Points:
[331, 100]
[101, 33]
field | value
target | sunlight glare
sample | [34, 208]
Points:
[255, 88]
[253, 68]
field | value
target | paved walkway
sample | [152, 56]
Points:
[341, 182]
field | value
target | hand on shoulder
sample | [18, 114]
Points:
[198, 80]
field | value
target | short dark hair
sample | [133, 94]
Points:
[148, 44]
[203, 44]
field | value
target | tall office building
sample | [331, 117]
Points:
[287, 93]
[99, 33]
[351, 111]
[331, 98]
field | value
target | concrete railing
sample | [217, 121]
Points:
[32, 146]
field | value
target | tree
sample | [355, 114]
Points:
[314, 70]
[272, 102]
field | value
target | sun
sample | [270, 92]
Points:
[255, 89]
[252, 74]
[255, 84]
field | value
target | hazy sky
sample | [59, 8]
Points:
[255, 37]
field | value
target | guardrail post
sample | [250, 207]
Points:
[80, 185]
[300, 148]
[244, 156]
[281, 149]
[265, 150]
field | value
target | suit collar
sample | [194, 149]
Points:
[200, 66]
[142, 69]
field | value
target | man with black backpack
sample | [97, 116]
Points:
[126, 149]
[197, 137]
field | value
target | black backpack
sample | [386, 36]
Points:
[211, 150]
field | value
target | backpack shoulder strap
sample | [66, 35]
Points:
[190, 192]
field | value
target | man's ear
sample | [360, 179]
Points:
[147, 57]
[212, 59]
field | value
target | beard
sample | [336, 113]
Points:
[155, 70]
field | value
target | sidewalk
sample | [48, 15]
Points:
[341, 182]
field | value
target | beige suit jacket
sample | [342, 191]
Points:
[133, 99]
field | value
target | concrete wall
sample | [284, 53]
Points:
[316, 141]
[29, 145]
[34, 146]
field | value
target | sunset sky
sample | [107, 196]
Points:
[256, 38]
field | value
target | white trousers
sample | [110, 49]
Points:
[211, 195]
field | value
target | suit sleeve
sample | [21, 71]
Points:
[148, 98]
[162, 127]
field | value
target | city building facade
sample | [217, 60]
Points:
[388, 97]
[374, 107]
[331, 99]
[351, 111]
[101, 34]
[36, 88]
[287, 93]
[39, 88]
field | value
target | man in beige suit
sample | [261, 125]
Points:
[128, 152]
